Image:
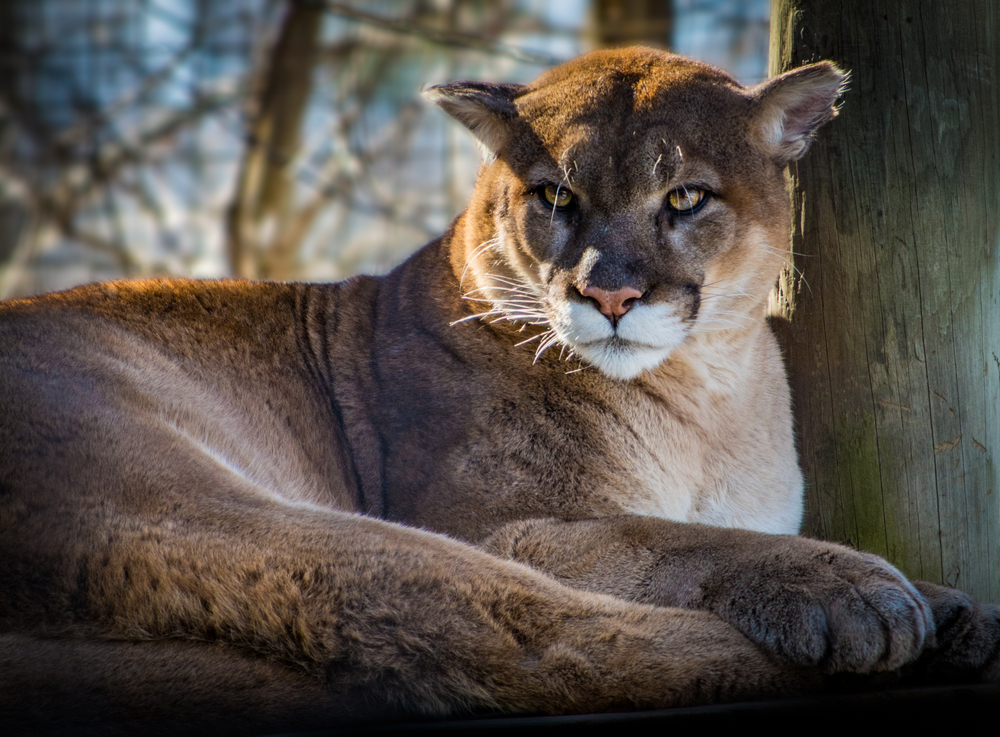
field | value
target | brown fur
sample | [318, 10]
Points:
[212, 493]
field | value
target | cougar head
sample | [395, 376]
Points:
[632, 200]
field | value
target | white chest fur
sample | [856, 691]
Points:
[713, 443]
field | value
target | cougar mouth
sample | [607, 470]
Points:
[637, 341]
[643, 338]
[623, 360]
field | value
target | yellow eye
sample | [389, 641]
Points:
[686, 199]
[557, 195]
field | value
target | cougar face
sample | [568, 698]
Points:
[636, 211]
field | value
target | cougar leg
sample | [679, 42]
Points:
[806, 601]
[101, 687]
[161, 539]
[409, 618]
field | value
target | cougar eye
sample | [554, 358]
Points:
[555, 195]
[687, 200]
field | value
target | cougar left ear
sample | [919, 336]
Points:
[485, 109]
[791, 107]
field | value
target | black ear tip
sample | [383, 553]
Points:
[793, 105]
[825, 67]
[822, 73]
[434, 93]
[468, 101]
[479, 90]
[829, 73]
[452, 92]
[487, 109]
[836, 75]
[449, 88]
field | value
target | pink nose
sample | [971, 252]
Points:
[613, 304]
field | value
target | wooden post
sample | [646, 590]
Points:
[893, 348]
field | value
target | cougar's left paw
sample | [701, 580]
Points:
[968, 638]
[816, 603]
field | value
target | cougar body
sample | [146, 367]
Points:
[532, 470]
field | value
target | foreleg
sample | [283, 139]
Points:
[806, 601]
[415, 621]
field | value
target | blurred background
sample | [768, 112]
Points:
[276, 139]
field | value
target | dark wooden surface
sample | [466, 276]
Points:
[899, 709]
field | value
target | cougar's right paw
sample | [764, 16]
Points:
[815, 603]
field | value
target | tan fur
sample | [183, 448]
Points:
[223, 493]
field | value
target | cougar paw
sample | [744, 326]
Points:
[820, 604]
[967, 647]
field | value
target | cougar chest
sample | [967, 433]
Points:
[701, 454]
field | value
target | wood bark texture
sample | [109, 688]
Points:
[893, 348]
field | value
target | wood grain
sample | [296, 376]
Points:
[894, 346]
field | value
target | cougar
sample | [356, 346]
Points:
[545, 466]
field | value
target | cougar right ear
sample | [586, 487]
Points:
[792, 106]
[485, 109]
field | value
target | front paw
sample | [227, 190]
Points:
[815, 603]
[967, 647]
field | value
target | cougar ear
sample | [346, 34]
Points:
[792, 106]
[485, 109]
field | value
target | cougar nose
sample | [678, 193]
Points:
[613, 304]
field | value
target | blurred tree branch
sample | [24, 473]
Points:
[262, 202]
[58, 204]
[435, 35]
[117, 123]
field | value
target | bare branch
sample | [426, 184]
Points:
[263, 189]
[150, 82]
[435, 35]
[108, 162]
